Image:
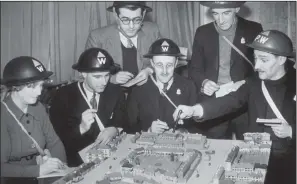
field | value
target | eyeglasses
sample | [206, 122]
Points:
[126, 20]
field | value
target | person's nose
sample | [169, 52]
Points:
[131, 24]
[221, 19]
[257, 64]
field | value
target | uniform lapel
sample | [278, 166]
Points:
[101, 107]
[237, 41]
[114, 45]
[82, 102]
[214, 43]
[288, 103]
[153, 97]
[141, 36]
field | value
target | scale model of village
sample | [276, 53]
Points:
[169, 158]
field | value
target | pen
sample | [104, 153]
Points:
[176, 121]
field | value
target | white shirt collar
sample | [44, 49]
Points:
[161, 85]
[89, 94]
[124, 40]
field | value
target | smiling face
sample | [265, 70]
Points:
[164, 67]
[126, 14]
[96, 81]
[268, 66]
[224, 17]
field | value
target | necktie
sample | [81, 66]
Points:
[165, 87]
[93, 101]
[130, 43]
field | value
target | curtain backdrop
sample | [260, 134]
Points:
[56, 32]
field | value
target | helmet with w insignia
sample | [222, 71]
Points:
[163, 47]
[274, 42]
[22, 70]
[95, 60]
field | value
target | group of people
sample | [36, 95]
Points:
[238, 74]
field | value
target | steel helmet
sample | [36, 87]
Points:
[274, 42]
[222, 4]
[95, 60]
[23, 70]
[163, 47]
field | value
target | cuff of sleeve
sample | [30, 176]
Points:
[198, 113]
[203, 83]
[291, 133]
[82, 130]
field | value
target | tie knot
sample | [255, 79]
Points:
[130, 43]
[165, 87]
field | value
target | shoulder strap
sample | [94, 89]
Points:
[234, 47]
[41, 152]
[162, 91]
[237, 50]
[271, 102]
[99, 122]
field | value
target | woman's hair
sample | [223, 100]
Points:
[20, 87]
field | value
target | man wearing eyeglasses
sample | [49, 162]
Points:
[127, 40]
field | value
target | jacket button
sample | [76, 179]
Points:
[29, 133]
[28, 121]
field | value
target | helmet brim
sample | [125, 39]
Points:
[162, 54]
[18, 82]
[270, 50]
[112, 69]
[148, 9]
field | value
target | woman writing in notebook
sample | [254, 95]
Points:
[29, 144]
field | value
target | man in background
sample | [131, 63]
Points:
[216, 66]
[127, 40]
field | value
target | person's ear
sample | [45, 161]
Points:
[282, 60]
[176, 62]
[152, 62]
[83, 74]
[144, 12]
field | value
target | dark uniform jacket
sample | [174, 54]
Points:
[18, 153]
[146, 104]
[67, 108]
[205, 58]
[251, 93]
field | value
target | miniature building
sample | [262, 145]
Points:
[231, 157]
[170, 140]
[156, 164]
[218, 175]
[104, 151]
[247, 163]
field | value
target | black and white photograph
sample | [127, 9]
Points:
[148, 92]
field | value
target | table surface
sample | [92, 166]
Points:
[206, 171]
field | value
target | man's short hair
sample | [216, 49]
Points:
[130, 7]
